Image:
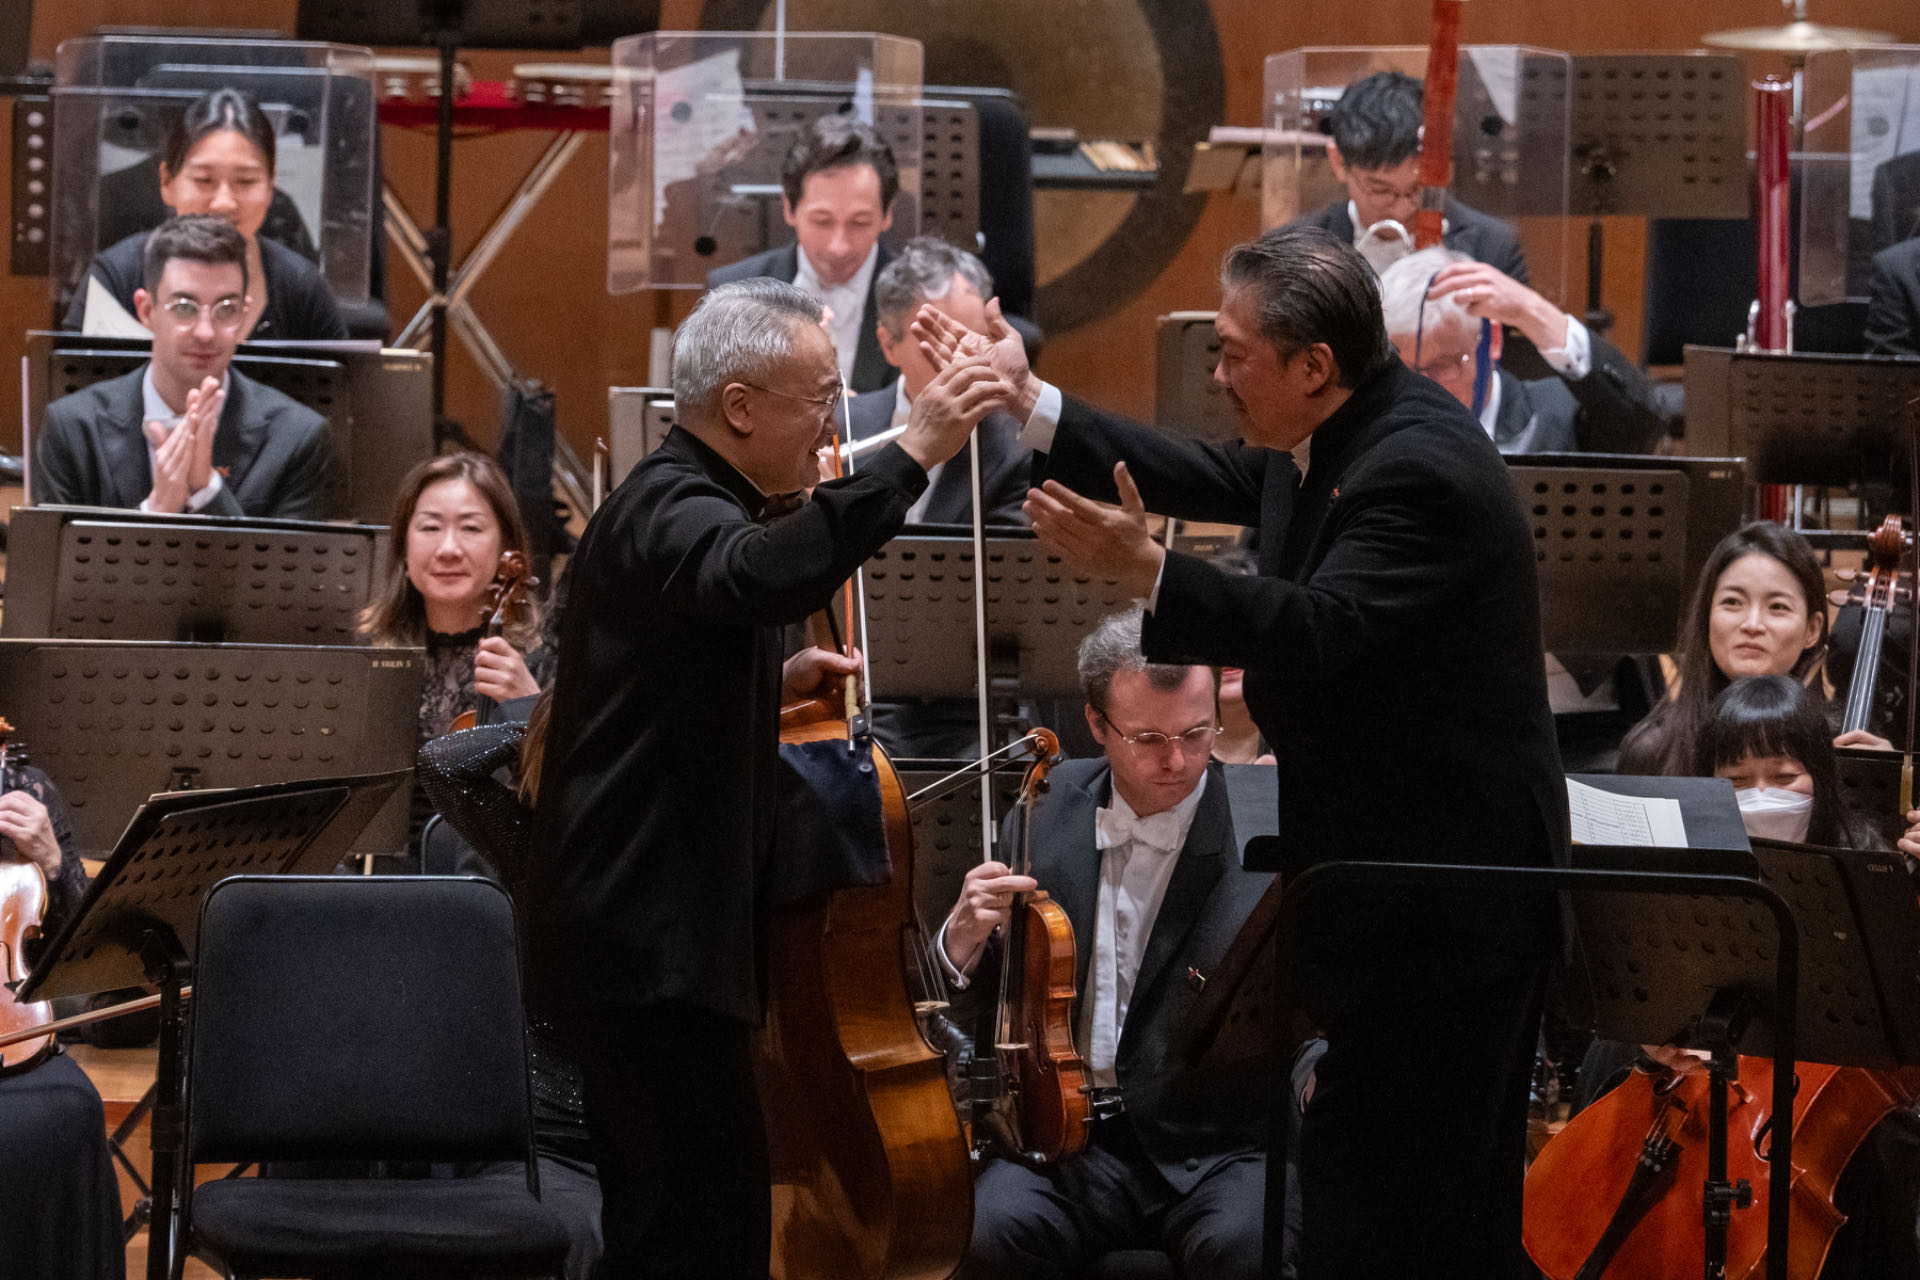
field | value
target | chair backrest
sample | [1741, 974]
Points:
[340, 1017]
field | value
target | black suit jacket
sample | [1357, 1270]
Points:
[1611, 410]
[656, 816]
[1392, 647]
[1893, 307]
[1480, 236]
[870, 369]
[272, 451]
[1190, 1118]
[1006, 466]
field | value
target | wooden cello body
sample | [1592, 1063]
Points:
[1576, 1221]
[870, 1170]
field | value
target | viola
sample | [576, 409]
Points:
[1617, 1193]
[23, 909]
[1032, 1101]
[505, 598]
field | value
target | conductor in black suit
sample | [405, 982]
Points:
[837, 187]
[655, 830]
[1392, 649]
[1375, 153]
[1138, 847]
[186, 431]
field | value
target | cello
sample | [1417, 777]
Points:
[869, 1167]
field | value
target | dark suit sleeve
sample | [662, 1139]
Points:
[1893, 306]
[320, 317]
[62, 470]
[1504, 252]
[1618, 411]
[302, 491]
[1401, 549]
[1179, 478]
[1008, 471]
[723, 568]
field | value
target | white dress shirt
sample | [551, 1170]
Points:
[847, 301]
[902, 407]
[156, 409]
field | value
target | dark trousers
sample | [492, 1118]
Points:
[1411, 1148]
[59, 1198]
[678, 1142]
[1049, 1225]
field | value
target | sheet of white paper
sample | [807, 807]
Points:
[1606, 817]
[106, 318]
[1499, 70]
[1885, 122]
[701, 121]
[863, 95]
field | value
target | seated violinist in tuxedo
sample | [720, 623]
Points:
[1138, 847]
[185, 432]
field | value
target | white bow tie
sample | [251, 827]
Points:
[1112, 829]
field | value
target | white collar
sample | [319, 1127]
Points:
[1183, 812]
[1490, 411]
[902, 406]
[807, 280]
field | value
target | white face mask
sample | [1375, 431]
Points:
[1772, 813]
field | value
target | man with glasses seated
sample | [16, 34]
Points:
[185, 432]
[1447, 314]
[1139, 848]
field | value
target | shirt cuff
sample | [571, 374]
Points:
[198, 501]
[1037, 434]
[955, 977]
[1574, 360]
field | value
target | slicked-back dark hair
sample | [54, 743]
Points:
[1769, 716]
[837, 142]
[217, 112]
[197, 237]
[1376, 123]
[1311, 286]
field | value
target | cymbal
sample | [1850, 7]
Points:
[1795, 37]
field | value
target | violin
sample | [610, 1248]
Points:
[1032, 1095]
[505, 598]
[23, 909]
[1617, 1193]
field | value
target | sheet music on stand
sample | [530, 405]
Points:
[1801, 417]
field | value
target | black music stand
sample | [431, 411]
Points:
[1870, 782]
[1619, 540]
[1802, 418]
[449, 26]
[87, 573]
[1658, 135]
[920, 626]
[139, 922]
[117, 721]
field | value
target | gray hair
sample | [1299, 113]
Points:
[923, 271]
[741, 331]
[1113, 646]
[1404, 285]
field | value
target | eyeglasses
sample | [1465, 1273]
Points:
[826, 406]
[1447, 368]
[226, 312]
[1197, 739]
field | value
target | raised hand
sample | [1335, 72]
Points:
[500, 672]
[948, 408]
[172, 458]
[1099, 538]
[24, 821]
[204, 404]
[1491, 294]
[943, 339]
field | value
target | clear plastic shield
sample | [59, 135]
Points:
[116, 97]
[1860, 166]
[702, 122]
[1510, 137]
